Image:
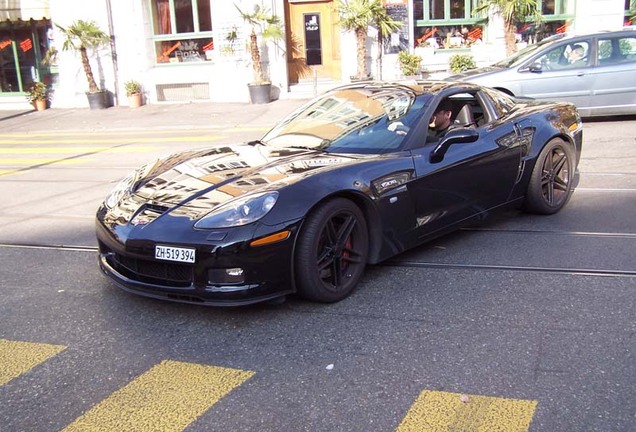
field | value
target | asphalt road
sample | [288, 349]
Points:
[524, 323]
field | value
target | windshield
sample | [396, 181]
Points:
[369, 119]
[520, 56]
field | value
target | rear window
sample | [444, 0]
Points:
[616, 50]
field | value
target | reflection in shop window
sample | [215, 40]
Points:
[547, 8]
[437, 9]
[184, 50]
[183, 30]
[457, 9]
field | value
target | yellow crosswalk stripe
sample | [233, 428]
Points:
[134, 132]
[18, 357]
[112, 140]
[436, 411]
[50, 150]
[166, 398]
[37, 161]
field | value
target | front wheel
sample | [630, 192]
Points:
[332, 251]
[550, 185]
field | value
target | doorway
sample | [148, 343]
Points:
[313, 40]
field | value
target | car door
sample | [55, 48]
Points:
[554, 75]
[471, 177]
[614, 77]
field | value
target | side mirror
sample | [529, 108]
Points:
[536, 67]
[456, 136]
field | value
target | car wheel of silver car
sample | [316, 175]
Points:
[550, 186]
[332, 251]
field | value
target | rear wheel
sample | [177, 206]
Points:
[332, 251]
[550, 185]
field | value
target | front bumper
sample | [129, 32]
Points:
[267, 270]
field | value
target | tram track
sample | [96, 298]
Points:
[409, 263]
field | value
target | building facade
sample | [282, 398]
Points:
[189, 50]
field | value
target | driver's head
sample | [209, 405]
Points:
[577, 52]
[442, 117]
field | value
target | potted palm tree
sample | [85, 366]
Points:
[133, 92]
[37, 94]
[357, 16]
[262, 22]
[81, 36]
[513, 12]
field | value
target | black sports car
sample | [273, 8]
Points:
[352, 178]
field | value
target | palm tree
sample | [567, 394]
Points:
[631, 13]
[269, 27]
[357, 16]
[80, 36]
[513, 12]
[385, 25]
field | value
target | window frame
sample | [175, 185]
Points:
[194, 35]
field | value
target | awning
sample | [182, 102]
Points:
[24, 10]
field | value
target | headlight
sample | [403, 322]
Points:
[239, 212]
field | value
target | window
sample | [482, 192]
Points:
[566, 56]
[445, 23]
[182, 30]
[616, 50]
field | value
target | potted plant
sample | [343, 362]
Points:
[80, 36]
[37, 94]
[461, 62]
[263, 22]
[133, 92]
[409, 63]
[357, 16]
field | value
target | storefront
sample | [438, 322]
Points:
[24, 44]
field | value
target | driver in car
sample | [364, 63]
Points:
[440, 121]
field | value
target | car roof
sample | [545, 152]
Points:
[580, 34]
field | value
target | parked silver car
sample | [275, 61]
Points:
[596, 72]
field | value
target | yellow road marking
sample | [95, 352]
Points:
[49, 150]
[37, 161]
[113, 140]
[17, 357]
[167, 398]
[131, 132]
[436, 411]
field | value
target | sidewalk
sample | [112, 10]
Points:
[197, 115]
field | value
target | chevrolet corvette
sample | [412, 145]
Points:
[350, 179]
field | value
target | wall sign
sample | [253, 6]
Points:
[313, 47]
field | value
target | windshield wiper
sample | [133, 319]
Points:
[256, 142]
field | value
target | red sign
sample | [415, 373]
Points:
[26, 45]
[5, 43]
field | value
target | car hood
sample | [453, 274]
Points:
[473, 73]
[196, 181]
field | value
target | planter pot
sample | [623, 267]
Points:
[135, 100]
[39, 105]
[99, 100]
[260, 93]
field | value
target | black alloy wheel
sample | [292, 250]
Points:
[332, 251]
[550, 185]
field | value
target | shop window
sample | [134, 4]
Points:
[182, 30]
[444, 24]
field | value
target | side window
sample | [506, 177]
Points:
[501, 102]
[462, 110]
[616, 50]
[567, 56]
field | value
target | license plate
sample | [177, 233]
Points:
[169, 253]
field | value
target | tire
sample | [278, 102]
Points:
[550, 185]
[332, 251]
